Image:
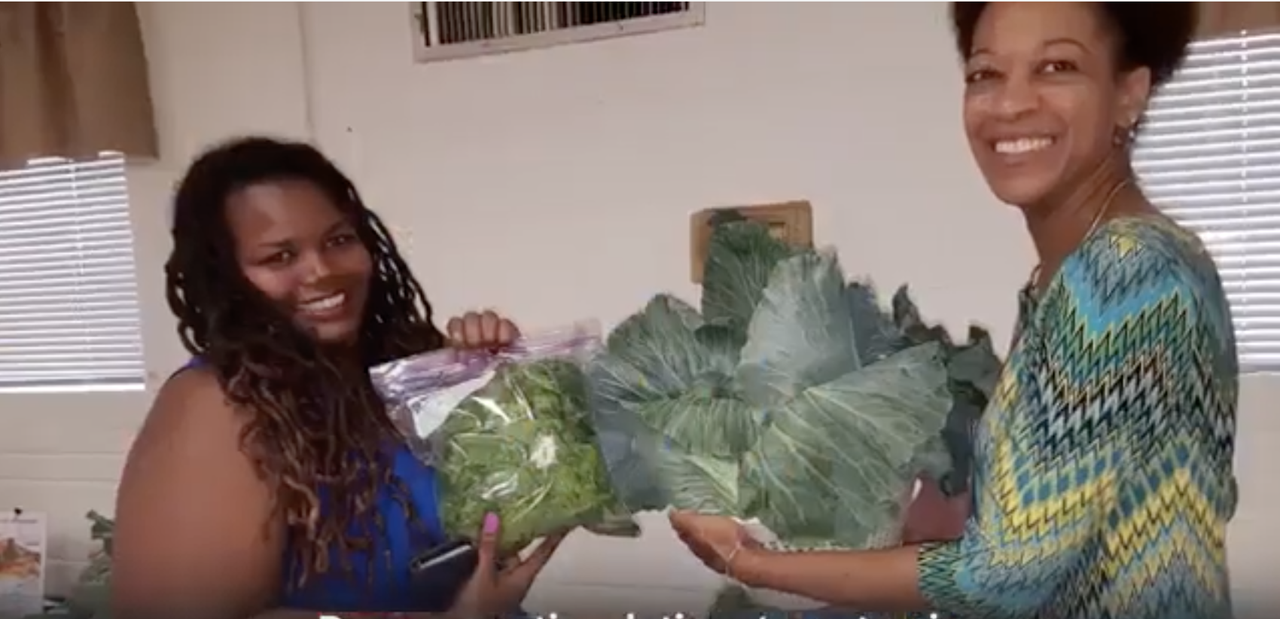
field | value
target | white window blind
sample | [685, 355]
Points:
[1209, 155]
[69, 315]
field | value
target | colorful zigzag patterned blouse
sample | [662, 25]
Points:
[1103, 481]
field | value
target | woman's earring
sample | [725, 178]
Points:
[1122, 136]
[1125, 134]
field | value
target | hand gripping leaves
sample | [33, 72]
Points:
[508, 432]
[791, 398]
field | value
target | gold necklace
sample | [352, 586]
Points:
[1093, 227]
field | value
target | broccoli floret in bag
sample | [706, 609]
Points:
[522, 446]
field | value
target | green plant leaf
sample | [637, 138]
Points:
[652, 473]
[740, 258]
[876, 335]
[724, 344]
[699, 483]
[633, 454]
[801, 334]
[833, 461]
[663, 382]
[859, 400]
[652, 354]
[102, 529]
[976, 362]
[973, 369]
[912, 325]
[722, 427]
[523, 445]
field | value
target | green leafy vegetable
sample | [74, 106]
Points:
[875, 333]
[697, 482]
[90, 595]
[792, 398]
[740, 260]
[843, 446]
[666, 381]
[523, 446]
[972, 370]
[800, 334]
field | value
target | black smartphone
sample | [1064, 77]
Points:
[437, 575]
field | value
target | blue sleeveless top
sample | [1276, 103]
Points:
[389, 590]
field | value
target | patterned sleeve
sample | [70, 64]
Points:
[1107, 484]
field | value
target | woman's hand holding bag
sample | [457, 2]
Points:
[498, 587]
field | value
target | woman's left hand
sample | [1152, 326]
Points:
[720, 542]
[934, 517]
[481, 330]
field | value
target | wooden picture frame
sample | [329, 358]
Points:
[791, 222]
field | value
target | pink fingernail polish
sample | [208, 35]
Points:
[490, 523]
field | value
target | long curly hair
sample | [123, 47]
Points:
[315, 429]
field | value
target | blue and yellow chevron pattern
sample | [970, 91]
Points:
[1103, 482]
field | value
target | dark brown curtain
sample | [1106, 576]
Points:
[1225, 18]
[73, 81]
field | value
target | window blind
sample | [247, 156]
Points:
[69, 316]
[1209, 156]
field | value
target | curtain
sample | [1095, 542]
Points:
[73, 82]
[1225, 18]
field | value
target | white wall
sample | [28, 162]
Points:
[557, 184]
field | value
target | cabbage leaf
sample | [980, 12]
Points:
[740, 261]
[791, 397]
[664, 381]
[843, 446]
[800, 334]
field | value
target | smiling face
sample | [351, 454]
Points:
[1044, 99]
[301, 251]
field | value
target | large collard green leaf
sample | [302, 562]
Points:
[912, 325]
[976, 363]
[973, 369]
[722, 427]
[725, 345]
[662, 382]
[800, 335]
[956, 440]
[741, 256]
[664, 365]
[653, 354]
[651, 473]
[833, 462]
[698, 483]
[633, 454]
[875, 333]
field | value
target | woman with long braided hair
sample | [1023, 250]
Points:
[268, 479]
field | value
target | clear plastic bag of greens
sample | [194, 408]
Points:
[508, 431]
